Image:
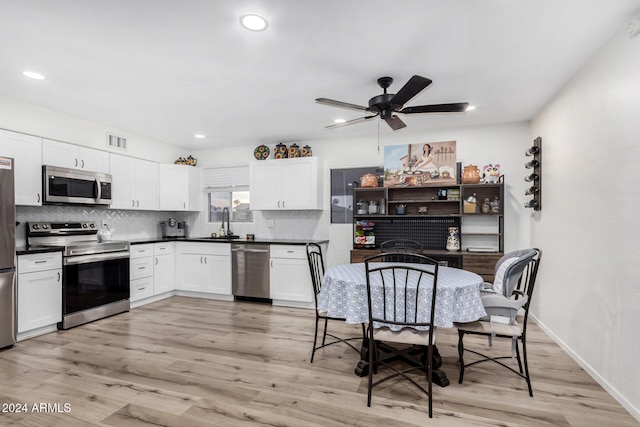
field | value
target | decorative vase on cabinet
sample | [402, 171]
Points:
[453, 241]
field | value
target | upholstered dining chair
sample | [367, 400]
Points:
[506, 302]
[316, 267]
[401, 297]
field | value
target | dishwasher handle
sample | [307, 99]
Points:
[250, 250]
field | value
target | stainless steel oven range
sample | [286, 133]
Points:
[95, 275]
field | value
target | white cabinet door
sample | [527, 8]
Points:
[219, 272]
[180, 188]
[286, 184]
[26, 151]
[146, 187]
[65, 155]
[39, 299]
[195, 277]
[135, 183]
[122, 171]
[163, 273]
[300, 179]
[265, 184]
[93, 160]
[289, 276]
[204, 267]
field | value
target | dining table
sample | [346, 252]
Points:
[344, 295]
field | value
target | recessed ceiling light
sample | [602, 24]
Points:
[33, 75]
[471, 108]
[339, 121]
[199, 136]
[254, 22]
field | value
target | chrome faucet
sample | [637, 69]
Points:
[229, 232]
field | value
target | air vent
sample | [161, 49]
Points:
[116, 141]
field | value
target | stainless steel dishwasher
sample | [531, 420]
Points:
[250, 270]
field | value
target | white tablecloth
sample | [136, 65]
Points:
[344, 294]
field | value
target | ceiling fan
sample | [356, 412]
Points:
[386, 105]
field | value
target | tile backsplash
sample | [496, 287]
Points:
[134, 225]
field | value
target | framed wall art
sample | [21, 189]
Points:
[420, 165]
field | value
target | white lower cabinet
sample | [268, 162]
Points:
[164, 268]
[289, 277]
[204, 267]
[39, 291]
[141, 271]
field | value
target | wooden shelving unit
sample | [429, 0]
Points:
[428, 214]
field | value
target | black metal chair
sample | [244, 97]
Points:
[397, 248]
[503, 303]
[400, 299]
[316, 267]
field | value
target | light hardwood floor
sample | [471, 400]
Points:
[195, 362]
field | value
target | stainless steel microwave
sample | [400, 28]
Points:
[72, 186]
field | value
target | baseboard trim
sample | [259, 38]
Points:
[634, 411]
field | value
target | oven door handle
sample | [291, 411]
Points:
[84, 259]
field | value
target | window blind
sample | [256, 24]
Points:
[226, 178]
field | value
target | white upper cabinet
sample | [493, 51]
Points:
[26, 151]
[65, 155]
[181, 188]
[134, 183]
[286, 184]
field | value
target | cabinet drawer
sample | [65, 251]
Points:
[288, 251]
[139, 251]
[39, 262]
[482, 264]
[213, 248]
[141, 288]
[163, 248]
[141, 267]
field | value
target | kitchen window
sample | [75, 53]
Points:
[228, 187]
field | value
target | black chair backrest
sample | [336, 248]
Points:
[527, 279]
[402, 289]
[402, 245]
[316, 267]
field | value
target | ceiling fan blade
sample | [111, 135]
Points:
[340, 104]
[456, 107]
[395, 123]
[414, 86]
[350, 122]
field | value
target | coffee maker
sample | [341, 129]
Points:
[174, 228]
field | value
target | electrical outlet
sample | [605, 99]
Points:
[269, 223]
[104, 223]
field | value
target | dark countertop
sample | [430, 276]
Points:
[242, 240]
[23, 250]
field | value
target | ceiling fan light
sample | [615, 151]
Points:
[199, 136]
[33, 75]
[254, 22]
[339, 121]
[470, 108]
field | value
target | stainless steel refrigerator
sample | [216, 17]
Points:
[7, 253]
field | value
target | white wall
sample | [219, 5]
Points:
[588, 294]
[26, 118]
[502, 144]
